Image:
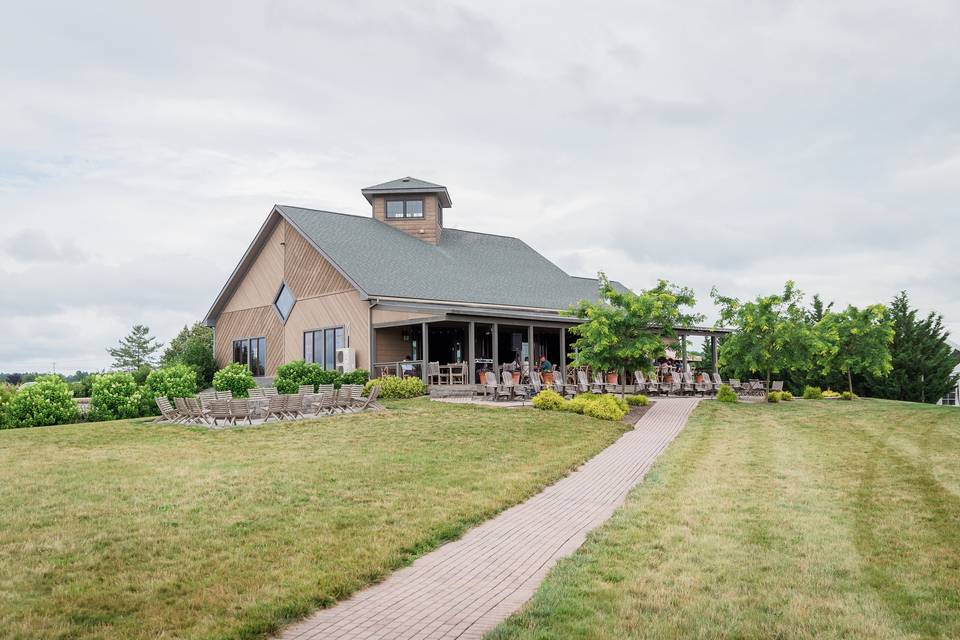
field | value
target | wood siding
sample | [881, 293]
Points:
[259, 322]
[338, 309]
[263, 278]
[427, 228]
[395, 315]
[391, 347]
[324, 299]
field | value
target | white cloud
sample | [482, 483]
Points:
[732, 145]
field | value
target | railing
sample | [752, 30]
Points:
[401, 369]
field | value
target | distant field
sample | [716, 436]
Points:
[812, 519]
[128, 530]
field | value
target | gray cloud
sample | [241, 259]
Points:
[733, 145]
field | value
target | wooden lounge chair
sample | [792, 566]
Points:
[536, 383]
[776, 385]
[277, 408]
[505, 388]
[294, 406]
[735, 384]
[240, 410]
[205, 397]
[167, 411]
[370, 402]
[324, 404]
[196, 412]
[647, 385]
[326, 388]
[489, 386]
[270, 392]
[219, 410]
[305, 389]
[717, 381]
[225, 395]
[433, 374]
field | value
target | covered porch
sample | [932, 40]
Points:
[465, 346]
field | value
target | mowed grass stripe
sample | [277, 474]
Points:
[802, 520]
[127, 530]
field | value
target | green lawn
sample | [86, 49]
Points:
[811, 519]
[127, 530]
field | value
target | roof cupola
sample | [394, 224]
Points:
[410, 205]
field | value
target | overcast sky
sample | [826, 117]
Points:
[715, 143]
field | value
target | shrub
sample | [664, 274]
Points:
[726, 394]
[786, 396]
[357, 376]
[82, 388]
[235, 378]
[47, 401]
[602, 406]
[114, 396]
[812, 393]
[830, 393]
[774, 396]
[548, 400]
[638, 400]
[293, 374]
[139, 375]
[7, 391]
[394, 388]
[847, 395]
[177, 381]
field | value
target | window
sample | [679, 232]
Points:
[321, 346]
[253, 353]
[404, 208]
[284, 301]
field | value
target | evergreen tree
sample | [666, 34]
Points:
[923, 361]
[136, 350]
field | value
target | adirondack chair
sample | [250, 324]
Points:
[240, 409]
[219, 410]
[370, 402]
[516, 390]
[167, 411]
[536, 383]
[489, 386]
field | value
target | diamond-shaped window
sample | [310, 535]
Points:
[284, 302]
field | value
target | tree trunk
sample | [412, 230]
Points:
[769, 373]
[850, 380]
[623, 384]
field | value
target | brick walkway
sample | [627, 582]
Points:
[466, 587]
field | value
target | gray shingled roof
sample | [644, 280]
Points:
[465, 267]
[408, 185]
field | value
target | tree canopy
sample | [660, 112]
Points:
[193, 346]
[772, 334]
[858, 341]
[625, 331]
[922, 360]
[135, 350]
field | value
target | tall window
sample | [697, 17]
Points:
[404, 208]
[251, 352]
[321, 346]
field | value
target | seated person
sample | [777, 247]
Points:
[545, 365]
[407, 367]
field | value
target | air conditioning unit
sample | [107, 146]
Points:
[346, 360]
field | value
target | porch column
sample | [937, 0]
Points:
[683, 351]
[530, 342]
[496, 350]
[426, 350]
[471, 364]
[373, 353]
[563, 354]
[713, 353]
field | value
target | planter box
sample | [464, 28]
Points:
[612, 378]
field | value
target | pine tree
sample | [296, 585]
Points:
[923, 361]
[136, 350]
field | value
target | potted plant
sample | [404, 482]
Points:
[612, 378]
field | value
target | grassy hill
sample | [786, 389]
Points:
[811, 519]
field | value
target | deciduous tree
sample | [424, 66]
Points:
[858, 341]
[625, 331]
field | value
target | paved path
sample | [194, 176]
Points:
[466, 587]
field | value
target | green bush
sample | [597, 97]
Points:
[235, 378]
[7, 391]
[726, 394]
[293, 374]
[176, 381]
[394, 388]
[786, 396]
[140, 374]
[47, 401]
[812, 393]
[82, 388]
[602, 406]
[357, 376]
[774, 396]
[847, 395]
[638, 400]
[548, 400]
[830, 393]
[115, 396]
